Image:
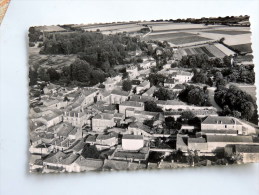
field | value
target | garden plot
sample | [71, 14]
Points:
[224, 49]
[211, 50]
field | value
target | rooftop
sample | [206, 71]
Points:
[132, 104]
[229, 138]
[221, 120]
[128, 136]
[120, 92]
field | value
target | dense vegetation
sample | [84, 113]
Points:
[204, 62]
[236, 102]
[165, 94]
[98, 54]
[195, 95]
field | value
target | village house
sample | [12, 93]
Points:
[141, 98]
[59, 161]
[50, 88]
[128, 157]
[50, 118]
[132, 71]
[150, 91]
[217, 143]
[42, 149]
[76, 118]
[182, 76]
[249, 153]
[132, 142]
[109, 84]
[142, 86]
[171, 105]
[147, 64]
[117, 97]
[106, 141]
[141, 116]
[138, 128]
[102, 121]
[128, 107]
[84, 164]
[169, 83]
[221, 123]
[197, 144]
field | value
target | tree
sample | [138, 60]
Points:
[126, 85]
[90, 152]
[164, 94]
[53, 74]
[33, 76]
[152, 107]
[156, 79]
[43, 75]
[187, 115]
[80, 71]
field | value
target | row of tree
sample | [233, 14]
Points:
[204, 62]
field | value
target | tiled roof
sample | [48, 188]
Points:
[229, 138]
[118, 92]
[61, 158]
[91, 163]
[144, 84]
[132, 104]
[104, 116]
[139, 126]
[105, 137]
[196, 140]
[128, 136]
[170, 102]
[220, 131]
[247, 148]
[221, 120]
[91, 138]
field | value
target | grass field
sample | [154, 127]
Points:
[243, 48]
[185, 40]
[228, 32]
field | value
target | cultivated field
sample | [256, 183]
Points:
[186, 40]
[228, 32]
[166, 36]
[211, 50]
[246, 48]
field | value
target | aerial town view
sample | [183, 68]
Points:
[156, 94]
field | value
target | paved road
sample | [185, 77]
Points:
[211, 91]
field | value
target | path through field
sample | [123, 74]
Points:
[211, 91]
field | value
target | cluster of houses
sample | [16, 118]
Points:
[84, 129]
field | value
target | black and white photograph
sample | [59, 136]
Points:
[158, 94]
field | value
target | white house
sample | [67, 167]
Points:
[132, 142]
